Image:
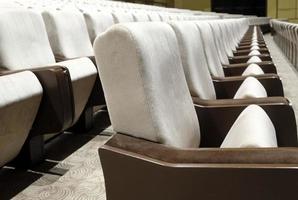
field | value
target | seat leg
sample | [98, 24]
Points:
[85, 122]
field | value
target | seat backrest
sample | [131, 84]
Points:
[98, 22]
[68, 34]
[24, 42]
[20, 97]
[193, 60]
[154, 17]
[122, 17]
[144, 84]
[215, 66]
[140, 17]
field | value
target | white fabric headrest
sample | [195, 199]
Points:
[252, 129]
[254, 59]
[251, 88]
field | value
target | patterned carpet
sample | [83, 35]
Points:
[72, 169]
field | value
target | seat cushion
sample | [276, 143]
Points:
[252, 129]
[253, 69]
[254, 59]
[250, 88]
[144, 84]
[83, 74]
[20, 97]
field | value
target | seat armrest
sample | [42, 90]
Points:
[286, 155]
[56, 110]
[227, 87]
[238, 69]
[244, 59]
[216, 121]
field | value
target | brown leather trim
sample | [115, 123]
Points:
[227, 87]
[246, 52]
[238, 69]
[244, 59]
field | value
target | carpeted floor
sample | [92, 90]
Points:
[72, 168]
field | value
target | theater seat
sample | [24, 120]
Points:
[201, 83]
[20, 97]
[26, 45]
[156, 122]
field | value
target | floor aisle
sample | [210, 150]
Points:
[75, 172]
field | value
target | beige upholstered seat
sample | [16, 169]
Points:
[151, 99]
[26, 45]
[98, 22]
[20, 97]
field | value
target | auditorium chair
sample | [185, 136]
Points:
[20, 97]
[69, 39]
[200, 81]
[225, 50]
[215, 63]
[68, 85]
[97, 22]
[165, 147]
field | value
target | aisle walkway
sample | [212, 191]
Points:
[286, 71]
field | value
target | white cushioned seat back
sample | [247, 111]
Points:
[193, 60]
[140, 17]
[98, 22]
[20, 97]
[253, 69]
[145, 88]
[122, 17]
[24, 42]
[154, 17]
[67, 33]
[254, 59]
[209, 46]
[251, 88]
[83, 74]
[252, 129]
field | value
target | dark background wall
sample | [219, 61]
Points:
[246, 7]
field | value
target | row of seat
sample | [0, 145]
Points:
[285, 36]
[56, 46]
[196, 104]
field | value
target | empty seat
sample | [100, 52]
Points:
[121, 17]
[140, 17]
[151, 106]
[27, 46]
[20, 97]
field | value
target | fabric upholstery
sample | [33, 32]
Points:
[140, 17]
[212, 56]
[254, 59]
[193, 60]
[154, 17]
[20, 96]
[254, 48]
[143, 98]
[98, 22]
[254, 53]
[122, 17]
[250, 88]
[24, 41]
[67, 33]
[82, 81]
[252, 129]
[253, 69]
